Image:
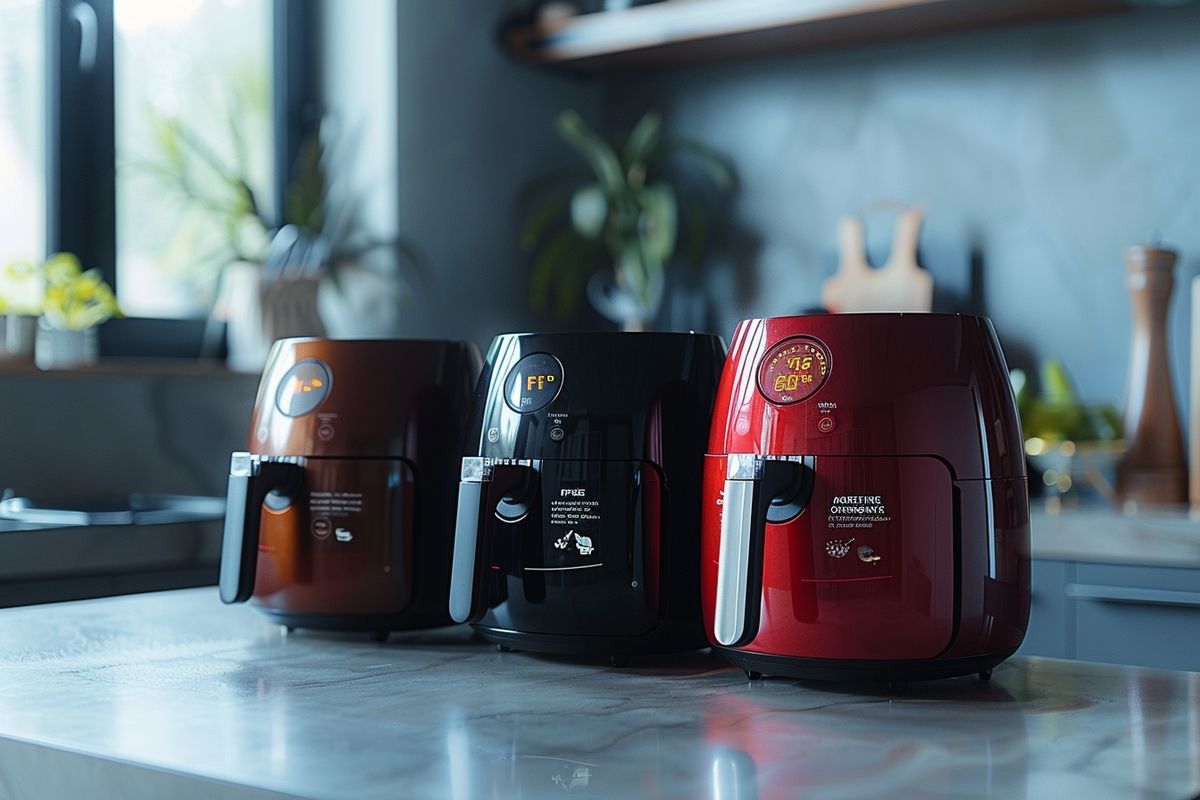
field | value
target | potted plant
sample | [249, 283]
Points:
[20, 305]
[75, 303]
[1070, 444]
[273, 276]
[613, 228]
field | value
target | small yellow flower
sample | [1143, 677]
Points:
[61, 268]
[75, 299]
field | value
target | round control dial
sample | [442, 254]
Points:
[533, 383]
[304, 387]
[793, 370]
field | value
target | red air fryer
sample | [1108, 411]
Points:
[866, 511]
[341, 516]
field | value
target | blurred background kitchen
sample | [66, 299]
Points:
[183, 182]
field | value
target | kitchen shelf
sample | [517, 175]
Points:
[126, 367]
[678, 32]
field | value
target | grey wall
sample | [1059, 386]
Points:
[474, 127]
[1048, 149]
[452, 130]
[1040, 152]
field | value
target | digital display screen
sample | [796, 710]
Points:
[533, 383]
[793, 370]
[303, 388]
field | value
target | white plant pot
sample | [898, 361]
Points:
[17, 333]
[241, 308]
[62, 349]
[258, 310]
[615, 302]
[363, 302]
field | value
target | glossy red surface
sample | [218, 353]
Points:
[918, 458]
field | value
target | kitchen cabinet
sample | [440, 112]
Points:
[75, 436]
[1099, 598]
[1051, 619]
[51, 564]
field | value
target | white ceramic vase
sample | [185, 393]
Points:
[258, 310]
[56, 348]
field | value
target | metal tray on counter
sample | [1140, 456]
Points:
[132, 509]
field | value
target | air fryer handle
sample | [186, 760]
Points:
[466, 568]
[251, 479]
[482, 488]
[757, 491]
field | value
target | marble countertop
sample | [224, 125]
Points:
[174, 694]
[1105, 535]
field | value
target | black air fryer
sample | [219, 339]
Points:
[578, 525]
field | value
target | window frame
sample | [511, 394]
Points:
[80, 168]
[81, 193]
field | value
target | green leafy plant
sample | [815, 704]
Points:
[1057, 414]
[323, 231]
[329, 229]
[614, 226]
[221, 216]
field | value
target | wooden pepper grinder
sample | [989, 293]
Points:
[1154, 470]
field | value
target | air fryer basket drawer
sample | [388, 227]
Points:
[585, 559]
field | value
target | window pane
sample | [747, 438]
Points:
[22, 131]
[193, 116]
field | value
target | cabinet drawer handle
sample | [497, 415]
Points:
[1122, 594]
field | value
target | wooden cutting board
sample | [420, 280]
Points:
[899, 285]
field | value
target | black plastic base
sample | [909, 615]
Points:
[378, 624]
[666, 637]
[845, 671]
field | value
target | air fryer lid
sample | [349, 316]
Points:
[591, 395]
[871, 385]
[355, 397]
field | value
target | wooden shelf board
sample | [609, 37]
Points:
[125, 367]
[679, 32]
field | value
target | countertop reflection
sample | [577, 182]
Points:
[174, 681]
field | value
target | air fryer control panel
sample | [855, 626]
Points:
[533, 383]
[303, 388]
[794, 370]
